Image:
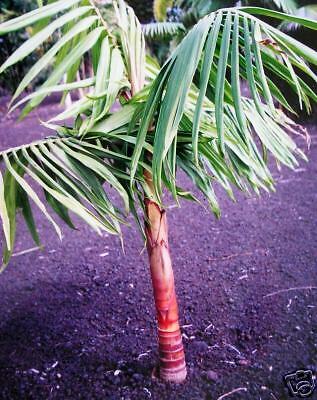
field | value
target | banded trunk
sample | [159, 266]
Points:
[172, 365]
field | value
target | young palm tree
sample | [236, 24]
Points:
[189, 115]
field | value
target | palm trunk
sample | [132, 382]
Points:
[172, 365]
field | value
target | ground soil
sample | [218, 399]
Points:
[77, 319]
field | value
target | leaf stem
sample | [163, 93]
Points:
[102, 20]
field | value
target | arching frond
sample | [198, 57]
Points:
[82, 29]
[84, 32]
[74, 175]
[220, 50]
[36, 15]
[203, 7]
[163, 30]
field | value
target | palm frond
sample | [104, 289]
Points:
[83, 31]
[204, 7]
[194, 10]
[163, 30]
[57, 49]
[36, 15]
[73, 174]
[132, 43]
[229, 43]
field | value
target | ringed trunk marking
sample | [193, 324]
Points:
[171, 351]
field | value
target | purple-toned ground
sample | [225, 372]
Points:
[77, 319]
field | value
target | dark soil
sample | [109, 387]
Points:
[77, 319]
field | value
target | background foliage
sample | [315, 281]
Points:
[8, 9]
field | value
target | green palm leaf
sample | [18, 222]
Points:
[36, 15]
[35, 41]
[132, 44]
[47, 58]
[252, 54]
[163, 30]
[69, 61]
[71, 174]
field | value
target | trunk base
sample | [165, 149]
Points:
[177, 376]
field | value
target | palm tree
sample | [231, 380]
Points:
[188, 114]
